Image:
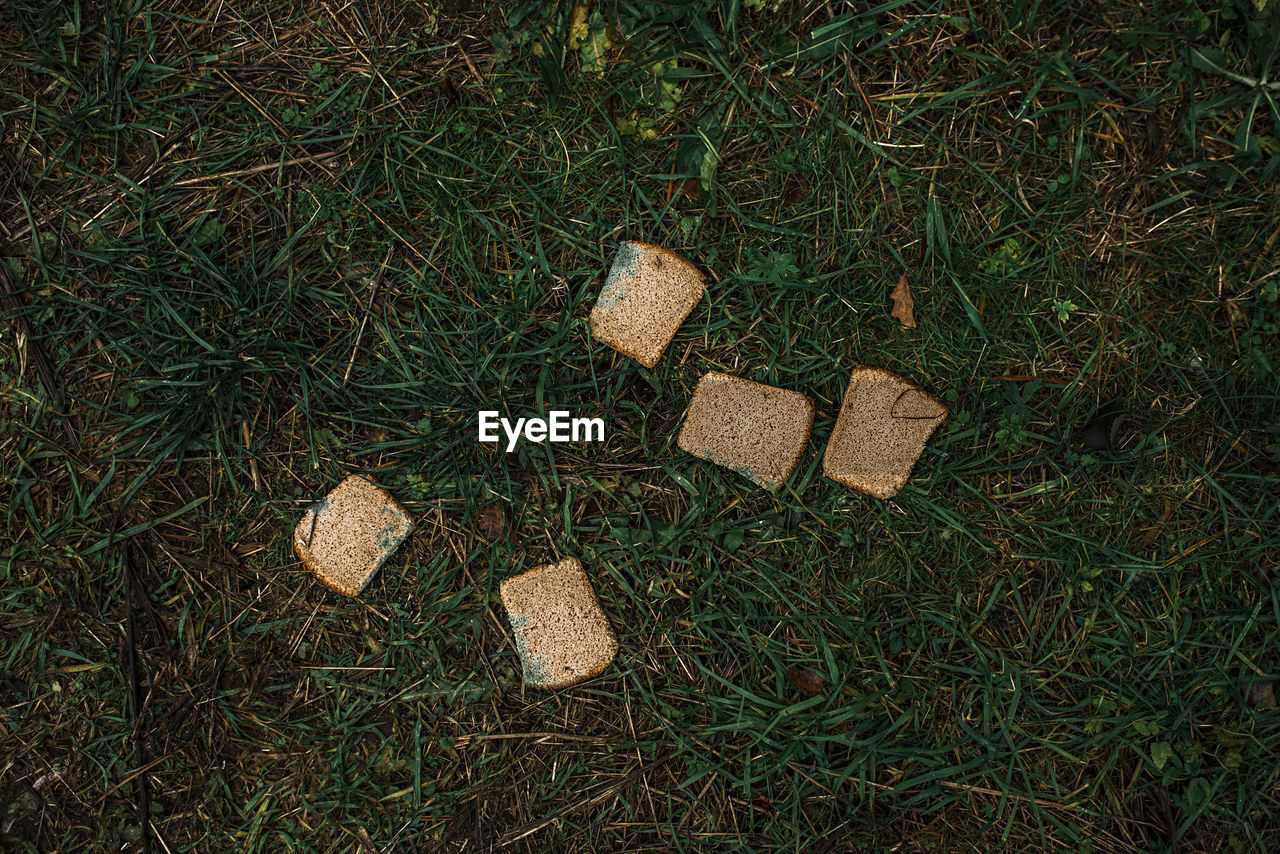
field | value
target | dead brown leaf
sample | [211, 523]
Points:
[689, 188]
[1236, 315]
[903, 305]
[808, 683]
[491, 520]
[1263, 695]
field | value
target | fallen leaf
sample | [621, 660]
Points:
[808, 683]
[1161, 753]
[1235, 314]
[490, 520]
[687, 187]
[903, 304]
[578, 29]
[1103, 429]
[448, 89]
[595, 46]
[696, 155]
[1263, 695]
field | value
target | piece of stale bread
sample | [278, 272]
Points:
[562, 635]
[344, 537]
[757, 430]
[880, 432]
[646, 296]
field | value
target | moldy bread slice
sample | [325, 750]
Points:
[561, 633]
[880, 432]
[344, 537]
[646, 296]
[757, 430]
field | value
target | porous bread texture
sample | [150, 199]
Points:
[757, 430]
[344, 537]
[880, 432]
[562, 635]
[646, 296]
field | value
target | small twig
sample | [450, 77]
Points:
[1171, 826]
[467, 739]
[253, 463]
[1013, 796]
[250, 100]
[366, 842]
[141, 787]
[28, 346]
[374, 284]
[262, 167]
[131, 584]
[476, 71]
[134, 775]
[311, 529]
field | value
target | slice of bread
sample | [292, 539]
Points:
[646, 296]
[344, 537]
[880, 432]
[561, 633]
[757, 430]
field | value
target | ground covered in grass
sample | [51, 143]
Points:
[249, 248]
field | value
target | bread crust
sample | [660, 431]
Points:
[311, 568]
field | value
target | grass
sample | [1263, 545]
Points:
[250, 250]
